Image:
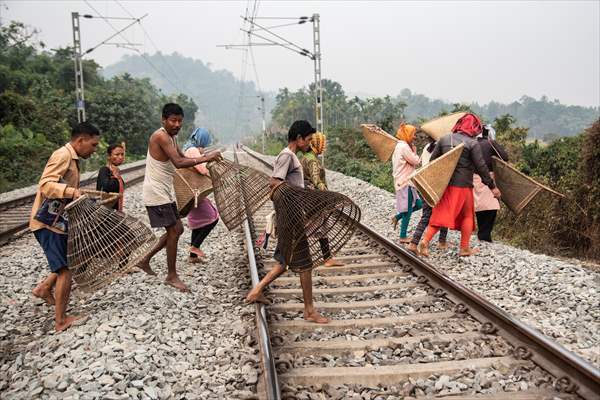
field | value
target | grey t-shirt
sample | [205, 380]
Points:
[287, 167]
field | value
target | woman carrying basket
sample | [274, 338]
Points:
[109, 177]
[456, 209]
[314, 178]
[204, 218]
[404, 161]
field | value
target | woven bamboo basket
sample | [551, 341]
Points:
[432, 179]
[517, 189]
[103, 244]
[439, 127]
[238, 190]
[312, 225]
[190, 186]
[107, 199]
[382, 143]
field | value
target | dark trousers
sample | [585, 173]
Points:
[422, 225]
[199, 234]
[485, 224]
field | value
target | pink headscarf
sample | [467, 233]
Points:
[469, 124]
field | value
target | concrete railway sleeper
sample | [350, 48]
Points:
[400, 328]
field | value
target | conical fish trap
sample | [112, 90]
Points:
[382, 143]
[439, 127]
[107, 199]
[305, 218]
[517, 188]
[103, 243]
[432, 179]
[190, 187]
[237, 189]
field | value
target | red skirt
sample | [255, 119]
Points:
[455, 205]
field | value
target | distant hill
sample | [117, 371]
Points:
[545, 119]
[216, 92]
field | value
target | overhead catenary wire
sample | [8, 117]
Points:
[140, 53]
[147, 35]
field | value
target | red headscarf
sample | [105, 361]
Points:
[469, 124]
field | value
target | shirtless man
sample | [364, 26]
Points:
[287, 168]
[163, 157]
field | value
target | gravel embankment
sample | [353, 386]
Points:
[142, 339]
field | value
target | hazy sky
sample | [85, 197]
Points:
[458, 51]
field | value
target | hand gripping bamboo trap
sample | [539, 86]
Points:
[107, 199]
[440, 127]
[103, 244]
[432, 179]
[312, 225]
[190, 187]
[382, 143]
[237, 188]
[517, 189]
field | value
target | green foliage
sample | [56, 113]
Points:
[20, 153]
[211, 90]
[36, 107]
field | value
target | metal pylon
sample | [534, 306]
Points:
[79, 96]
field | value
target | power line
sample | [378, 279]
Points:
[129, 43]
[147, 35]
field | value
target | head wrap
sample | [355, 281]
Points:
[469, 124]
[318, 143]
[199, 138]
[488, 132]
[406, 133]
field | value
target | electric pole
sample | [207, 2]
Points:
[317, 62]
[79, 95]
[264, 124]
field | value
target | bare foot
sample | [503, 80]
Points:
[332, 262]
[404, 240]
[194, 260]
[197, 251]
[316, 318]
[467, 252]
[260, 298]
[66, 323]
[413, 248]
[442, 245]
[255, 296]
[144, 265]
[42, 292]
[423, 248]
[177, 284]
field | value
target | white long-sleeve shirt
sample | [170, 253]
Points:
[404, 161]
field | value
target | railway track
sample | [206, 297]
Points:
[14, 213]
[401, 328]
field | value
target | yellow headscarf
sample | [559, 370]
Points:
[318, 143]
[406, 133]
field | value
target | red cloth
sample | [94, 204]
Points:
[456, 207]
[469, 124]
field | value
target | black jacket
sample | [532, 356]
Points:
[491, 148]
[470, 161]
[107, 183]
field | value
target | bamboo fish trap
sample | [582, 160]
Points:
[312, 225]
[190, 186]
[432, 179]
[237, 189]
[517, 189]
[439, 127]
[103, 244]
[382, 143]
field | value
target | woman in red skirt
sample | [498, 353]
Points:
[456, 209]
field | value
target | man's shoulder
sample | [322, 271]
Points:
[61, 154]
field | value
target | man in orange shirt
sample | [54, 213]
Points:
[58, 185]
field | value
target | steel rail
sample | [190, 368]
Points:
[272, 389]
[5, 235]
[574, 375]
